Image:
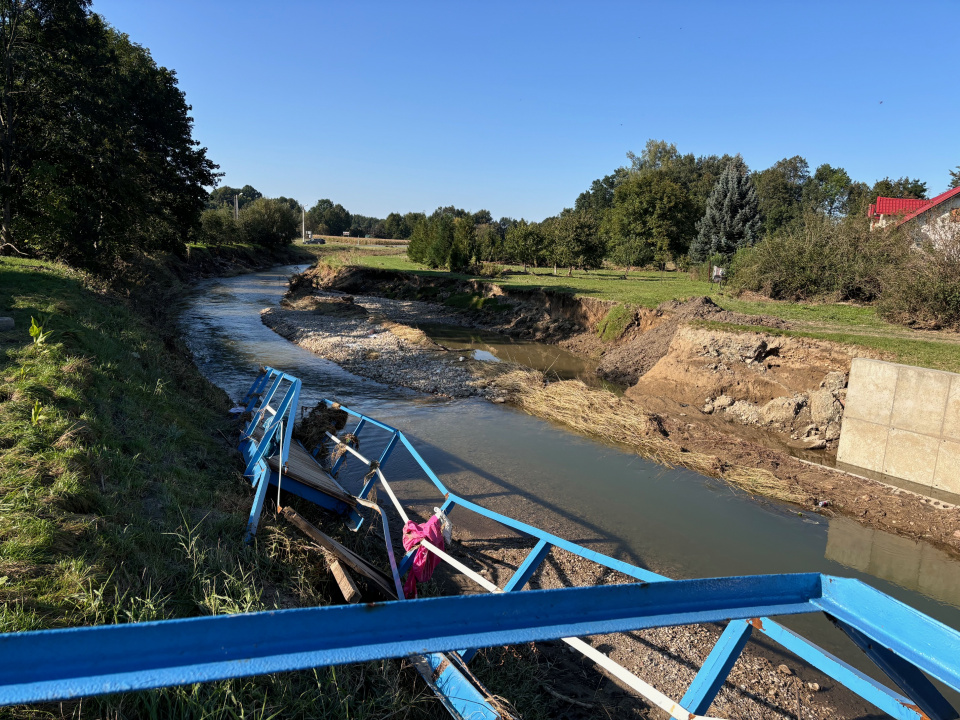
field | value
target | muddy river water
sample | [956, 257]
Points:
[674, 522]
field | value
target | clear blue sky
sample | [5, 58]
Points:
[516, 107]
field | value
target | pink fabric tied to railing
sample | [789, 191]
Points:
[424, 561]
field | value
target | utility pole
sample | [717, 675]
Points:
[303, 224]
[236, 207]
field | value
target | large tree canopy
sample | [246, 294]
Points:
[96, 149]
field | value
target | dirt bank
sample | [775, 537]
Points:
[529, 314]
[648, 337]
[741, 406]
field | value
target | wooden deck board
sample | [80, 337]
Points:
[302, 467]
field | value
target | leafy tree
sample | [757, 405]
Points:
[732, 219]
[269, 223]
[217, 227]
[294, 205]
[490, 242]
[95, 141]
[223, 196]
[780, 192]
[524, 243]
[419, 244]
[440, 230]
[955, 177]
[828, 191]
[650, 215]
[464, 247]
[600, 195]
[335, 220]
[315, 216]
[482, 217]
[395, 226]
[904, 187]
[575, 241]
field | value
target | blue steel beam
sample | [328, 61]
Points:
[519, 578]
[61, 664]
[892, 703]
[926, 643]
[913, 682]
[875, 693]
[716, 667]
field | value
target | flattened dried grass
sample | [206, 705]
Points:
[602, 414]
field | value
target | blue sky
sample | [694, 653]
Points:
[516, 107]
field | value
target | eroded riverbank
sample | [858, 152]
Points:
[596, 494]
[752, 441]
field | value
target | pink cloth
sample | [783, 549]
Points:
[424, 561]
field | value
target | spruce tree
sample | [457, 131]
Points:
[732, 219]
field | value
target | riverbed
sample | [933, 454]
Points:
[672, 521]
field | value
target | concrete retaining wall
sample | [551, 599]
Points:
[903, 422]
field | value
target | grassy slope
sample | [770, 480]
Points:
[120, 501]
[844, 323]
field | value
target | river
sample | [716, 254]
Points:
[671, 521]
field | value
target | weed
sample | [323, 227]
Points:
[36, 415]
[37, 333]
[121, 504]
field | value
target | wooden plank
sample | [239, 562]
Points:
[303, 467]
[344, 554]
[347, 586]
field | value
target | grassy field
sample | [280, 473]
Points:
[839, 322]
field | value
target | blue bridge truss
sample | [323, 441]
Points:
[911, 649]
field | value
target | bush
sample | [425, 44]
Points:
[268, 223]
[926, 288]
[821, 258]
[217, 227]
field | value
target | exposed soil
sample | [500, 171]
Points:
[648, 338]
[685, 378]
[750, 399]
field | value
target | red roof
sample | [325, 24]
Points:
[896, 206]
[942, 197]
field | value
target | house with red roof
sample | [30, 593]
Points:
[936, 219]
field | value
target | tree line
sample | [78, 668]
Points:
[662, 207]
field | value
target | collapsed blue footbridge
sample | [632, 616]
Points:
[439, 635]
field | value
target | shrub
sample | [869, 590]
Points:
[268, 223]
[821, 258]
[925, 289]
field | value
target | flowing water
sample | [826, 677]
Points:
[674, 522]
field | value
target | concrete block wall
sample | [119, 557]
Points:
[903, 422]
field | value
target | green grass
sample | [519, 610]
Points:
[121, 500]
[922, 353]
[615, 322]
[839, 322]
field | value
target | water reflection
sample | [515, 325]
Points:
[489, 346]
[672, 521]
[910, 564]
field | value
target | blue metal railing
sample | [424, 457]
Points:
[906, 645]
